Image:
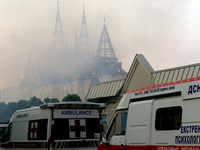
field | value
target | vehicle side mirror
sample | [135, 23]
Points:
[104, 138]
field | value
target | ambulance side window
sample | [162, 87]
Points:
[118, 126]
[37, 129]
[168, 118]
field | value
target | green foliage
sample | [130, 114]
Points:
[34, 101]
[22, 104]
[12, 107]
[53, 100]
[6, 110]
[47, 100]
[71, 97]
[3, 112]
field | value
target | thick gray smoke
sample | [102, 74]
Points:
[166, 32]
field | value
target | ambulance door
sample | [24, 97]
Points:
[76, 128]
[166, 120]
[68, 129]
[116, 132]
[139, 124]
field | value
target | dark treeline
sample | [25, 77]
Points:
[6, 110]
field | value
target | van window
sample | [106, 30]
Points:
[118, 126]
[8, 133]
[2, 132]
[168, 118]
[37, 129]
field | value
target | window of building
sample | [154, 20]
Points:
[168, 118]
[105, 121]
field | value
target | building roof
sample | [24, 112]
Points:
[105, 89]
[176, 74]
[139, 59]
[111, 88]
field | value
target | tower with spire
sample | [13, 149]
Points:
[59, 43]
[28, 77]
[84, 36]
[106, 60]
[57, 51]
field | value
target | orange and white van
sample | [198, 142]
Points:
[55, 126]
[159, 117]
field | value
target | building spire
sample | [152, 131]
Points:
[58, 33]
[106, 60]
[84, 36]
[27, 79]
[105, 48]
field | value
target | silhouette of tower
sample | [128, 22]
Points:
[59, 42]
[84, 36]
[107, 63]
[28, 78]
[54, 63]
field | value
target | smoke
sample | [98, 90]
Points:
[166, 32]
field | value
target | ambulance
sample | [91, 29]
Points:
[159, 117]
[55, 126]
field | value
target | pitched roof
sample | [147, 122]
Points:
[176, 74]
[112, 88]
[139, 58]
[105, 89]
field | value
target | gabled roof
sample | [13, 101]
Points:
[105, 89]
[176, 74]
[139, 59]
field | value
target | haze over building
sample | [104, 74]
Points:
[68, 69]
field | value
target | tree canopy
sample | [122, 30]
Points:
[7, 110]
[71, 97]
[53, 100]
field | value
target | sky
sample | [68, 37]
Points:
[166, 32]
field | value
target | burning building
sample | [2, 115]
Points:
[63, 72]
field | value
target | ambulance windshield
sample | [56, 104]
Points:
[118, 126]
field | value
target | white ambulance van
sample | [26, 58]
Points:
[55, 126]
[160, 117]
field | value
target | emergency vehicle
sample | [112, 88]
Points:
[159, 117]
[55, 126]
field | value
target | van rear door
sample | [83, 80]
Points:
[76, 128]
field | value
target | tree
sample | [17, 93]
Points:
[23, 104]
[12, 107]
[4, 116]
[71, 97]
[34, 101]
[53, 100]
[47, 100]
